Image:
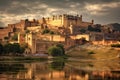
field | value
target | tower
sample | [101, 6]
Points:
[31, 41]
[81, 18]
[92, 21]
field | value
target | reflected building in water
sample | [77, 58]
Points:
[46, 71]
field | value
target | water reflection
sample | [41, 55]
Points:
[55, 70]
[57, 65]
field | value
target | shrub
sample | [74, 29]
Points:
[51, 32]
[13, 48]
[55, 51]
[1, 48]
[45, 31]
[115, 45]
[62, 47]
[91, 52]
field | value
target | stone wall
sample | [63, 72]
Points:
[65, 20]
[4, 33]
[86, 36]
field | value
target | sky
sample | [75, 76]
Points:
[102, 11]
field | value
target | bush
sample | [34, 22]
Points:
[1, 48]
[13, 48]
[115, 45]
[45, 31]
[51, 32]
[62, 47]
[55, 51]
[91, 52]
[27, 31]
[7, 48]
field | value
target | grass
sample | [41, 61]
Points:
[79, 53]
[102, 58]
[30, 58]
[105, 54]
[18, 59]
[99, 53]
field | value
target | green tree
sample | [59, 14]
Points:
[55, 51]
[51, 32]
[115, 45]
[7, 48]
[62, 47]
[27, 31]
[15, 48]
[82, 30]
[45, 31]
[1, 48]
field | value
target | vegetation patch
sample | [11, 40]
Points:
[91, 52]
[56, 51]
[26, 59]
[115, 45]
[12, 49]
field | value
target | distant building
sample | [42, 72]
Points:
[64, 24]
[68, 30]
[104, 38]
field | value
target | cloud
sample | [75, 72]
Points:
[100, 9]
[2, 24]
[12, 11]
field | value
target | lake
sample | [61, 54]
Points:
[60, 70]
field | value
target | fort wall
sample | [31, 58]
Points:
[56, 38]
[86, 36]
[65, 20]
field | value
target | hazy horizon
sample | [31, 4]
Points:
[102, 11]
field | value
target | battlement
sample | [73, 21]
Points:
[58, 17]
[62, 20]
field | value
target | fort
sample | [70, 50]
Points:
[65, 21]
[65, 29]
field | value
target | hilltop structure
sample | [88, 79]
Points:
[60, 23]
[66, 29]
[65, 21]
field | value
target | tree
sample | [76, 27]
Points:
[62, 47]
[7, 48]
[94, 29]
[45, 31]
[82, 30]
[27, 31]
[51, 32]
[55, 51]
[13, 48]
[1, 48]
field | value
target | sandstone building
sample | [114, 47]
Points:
[65, 21]
[66, 29]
